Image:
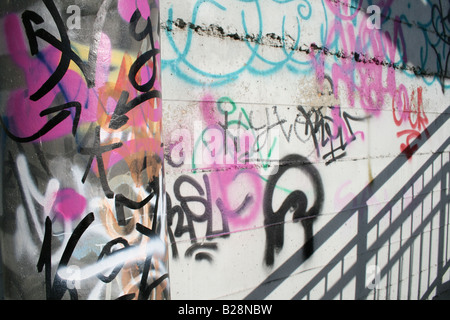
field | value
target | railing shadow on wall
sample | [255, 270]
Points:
[368, 252]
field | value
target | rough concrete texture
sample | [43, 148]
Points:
[225, 149]
[83, 211]
[306, 152]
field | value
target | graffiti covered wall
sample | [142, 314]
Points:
[82, 157]
[306, 148]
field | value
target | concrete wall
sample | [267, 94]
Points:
[306, 146]
[82, 163]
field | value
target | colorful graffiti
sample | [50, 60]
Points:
[85, 154]
[346, 34]
[253, 61]
[92, 113]
[232, 152]
[282, 105]
[409, 110]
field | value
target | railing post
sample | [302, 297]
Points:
[83, 198]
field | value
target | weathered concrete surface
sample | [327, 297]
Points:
[308, 80]
[306, 151]
[82, 179]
